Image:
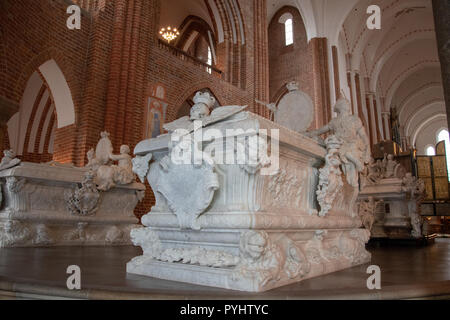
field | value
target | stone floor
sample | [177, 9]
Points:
[406, 272]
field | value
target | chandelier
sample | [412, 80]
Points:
[169, 34]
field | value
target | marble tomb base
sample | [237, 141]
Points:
[58, 205]
[395, 215]
[229, 226]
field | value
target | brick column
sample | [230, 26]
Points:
[387, 127]
[115, 70]
[261, 56]
[337, 83]
[7, 109]
[373, 117]
[358, 99]
[132, 31]
[370, 120]
[441, 12]
[322, 98]
[377, 121]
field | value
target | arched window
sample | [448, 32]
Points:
[289, 32]
[209, 62]
[443, 136]
[429, 151]
[288, 21]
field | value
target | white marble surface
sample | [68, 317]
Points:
[295, 110]
[36, 210]
[249, 231]
[396, 215]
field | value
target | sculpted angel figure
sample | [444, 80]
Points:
[372, 172]
[354, 152]
[93, 163]
[101, 162]
[416, 194]
[389, 165]
[330, 183]
[260, 258]
[123, 172]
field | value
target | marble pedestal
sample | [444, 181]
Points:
[35, 208]
[392, 216]
[229, 226]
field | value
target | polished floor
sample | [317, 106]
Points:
[406, 272]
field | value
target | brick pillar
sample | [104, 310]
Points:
[7, 109]
[374, 119]
[387, 127]
[3, 136]
[441, 12]
[358, 99]
[370, 119]
[322, 98]
[261, 56]
[337, 83]
[115, 70]
[377, 122]
[128, 68]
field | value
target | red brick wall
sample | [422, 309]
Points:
[289, 63]
[33, 32]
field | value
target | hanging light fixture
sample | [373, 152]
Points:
[169, 34]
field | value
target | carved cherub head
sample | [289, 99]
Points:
[124, 149]
[253, 244]
[104, 134]
[390, 157]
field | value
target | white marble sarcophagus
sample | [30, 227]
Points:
[248, 226]
[389, 203]
[60, 205]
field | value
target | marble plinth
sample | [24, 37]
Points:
[230, 226]
[53, 205]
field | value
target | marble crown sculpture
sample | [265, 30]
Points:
[54, 204]
[251, 226]
[389, 202]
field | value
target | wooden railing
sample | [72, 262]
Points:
[180, 54]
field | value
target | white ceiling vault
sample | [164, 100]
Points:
[400, 61]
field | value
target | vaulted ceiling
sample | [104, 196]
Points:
[399, 62]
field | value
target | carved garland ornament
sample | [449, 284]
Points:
[330, 176]
[150, 243]
[261, 259]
